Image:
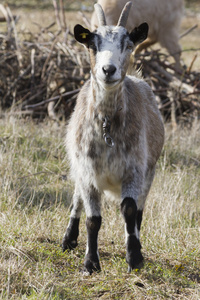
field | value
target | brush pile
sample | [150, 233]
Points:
[42, 73]
[177, 93]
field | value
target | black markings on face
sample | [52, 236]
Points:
[99, 41]
[116, 44]
[95, 43]
[110, 36]
[123, 42]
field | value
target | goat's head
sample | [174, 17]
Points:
[110, 47]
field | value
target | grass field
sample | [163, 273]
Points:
[35, 200]
[34, 211]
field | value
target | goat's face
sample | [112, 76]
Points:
[110, 49]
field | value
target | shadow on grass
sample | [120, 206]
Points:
[181, 275]
[44, 197]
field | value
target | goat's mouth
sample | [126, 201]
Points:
[108, 81]
[111, 82]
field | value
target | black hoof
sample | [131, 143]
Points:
[91, 265]
[134, 256]
[68, 245]
[136, 266]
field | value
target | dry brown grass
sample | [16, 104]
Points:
[34, 205]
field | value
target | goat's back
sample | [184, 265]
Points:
[159, 14]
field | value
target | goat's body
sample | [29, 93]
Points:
[92, 161]
[114, 138]
[125, 170]
[163, 17]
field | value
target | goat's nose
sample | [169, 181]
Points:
[109, 70]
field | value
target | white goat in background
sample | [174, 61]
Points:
[162, 16]
[114, 138]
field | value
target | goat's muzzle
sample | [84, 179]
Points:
[109, 70]
[109, 75]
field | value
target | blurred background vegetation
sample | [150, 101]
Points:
[73, 5]
[48, 4]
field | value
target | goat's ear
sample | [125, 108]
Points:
[139, 34]
[82, 35]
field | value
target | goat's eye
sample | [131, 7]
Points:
[129, 47]
[92, 46]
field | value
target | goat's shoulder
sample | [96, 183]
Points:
[138, 90]
[141, 102]
[136, 80]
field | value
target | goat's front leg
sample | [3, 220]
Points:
[133, 218]
[134, 256]
[93, 224]
[72, 232]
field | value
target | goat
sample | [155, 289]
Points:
[163, 18]
[114, 138]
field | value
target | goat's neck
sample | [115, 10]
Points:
[107, 102]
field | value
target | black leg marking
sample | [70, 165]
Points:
[139, 218]
[71, 235]
[134, 256]
[91, 263]
[129, 211]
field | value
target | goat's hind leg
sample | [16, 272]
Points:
[72, 232]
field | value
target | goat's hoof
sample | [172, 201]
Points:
[90, 266]
[135, 260]
[90, 271]
[136, 266]
[68, 245]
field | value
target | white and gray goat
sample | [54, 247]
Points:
[114, 138]
[163, 17]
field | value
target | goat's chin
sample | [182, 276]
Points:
[109, 84]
